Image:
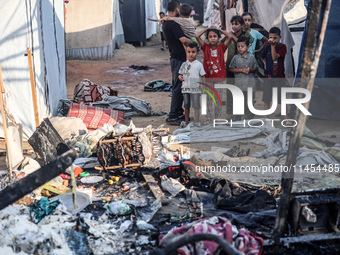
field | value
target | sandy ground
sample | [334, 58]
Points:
[127, 81]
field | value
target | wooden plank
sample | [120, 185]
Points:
[27, 148]
[34, 93]
[116, 167]
[36, 179]
[129, 138]
[4, 122]
[155, 189]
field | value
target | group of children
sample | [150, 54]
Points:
[240, 64]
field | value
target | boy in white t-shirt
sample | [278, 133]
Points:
[191, 74]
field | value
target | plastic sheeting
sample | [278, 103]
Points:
[277, 145]
[38, 25]
[150, 12]
[295, 15]
[219, 133]
[135, 13]
[129, 105]
[79, 45]
[207, 14]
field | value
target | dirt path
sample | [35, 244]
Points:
[127, 81]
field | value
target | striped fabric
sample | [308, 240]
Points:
[95, 117]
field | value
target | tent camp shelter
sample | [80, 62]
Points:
[39, 26]
[135, 14]
[93, 29]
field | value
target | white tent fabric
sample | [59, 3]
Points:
[295, 15]
[207, 14]
[93, 29]
[38, 25]
[150, 12]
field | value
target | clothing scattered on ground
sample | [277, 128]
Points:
[157, 85]
[87, 92]
[140, 67]
[245, 241]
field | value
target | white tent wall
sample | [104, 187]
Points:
[207, 13]
[39, 25]
[160, 7]
[295, 15]
[93, 29]
[117, 26]
[150, 12]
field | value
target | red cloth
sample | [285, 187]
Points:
[87, 91]
[95, 117]
[248, 243]
[245, 242]
[213, 63]
[215, 225]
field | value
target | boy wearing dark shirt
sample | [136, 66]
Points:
[273, 56]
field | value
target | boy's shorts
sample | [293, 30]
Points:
[191, 99]
[269, 84]
[162, 36]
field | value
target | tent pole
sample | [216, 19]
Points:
[310, 62]
[4, 123]
[34, 93]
